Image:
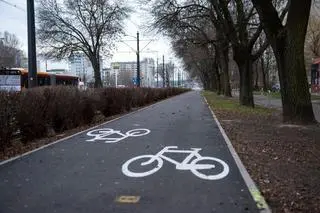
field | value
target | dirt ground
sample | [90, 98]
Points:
[283, 160]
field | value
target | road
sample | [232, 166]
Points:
[86, 174]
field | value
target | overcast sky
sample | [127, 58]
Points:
[14, 20]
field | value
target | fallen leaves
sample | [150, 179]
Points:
[282, 159]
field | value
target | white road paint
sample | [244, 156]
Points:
[113, 136]
[191, 162]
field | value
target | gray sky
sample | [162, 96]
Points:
[14, 20]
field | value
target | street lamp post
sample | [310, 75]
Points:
[138, 61]
[32, 60]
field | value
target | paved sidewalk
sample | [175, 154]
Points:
[168, 158]
[276, 103]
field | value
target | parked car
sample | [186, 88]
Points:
[275, 88]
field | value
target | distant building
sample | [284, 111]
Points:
[107, 78]
[57, 71]
[80, 65]
[125, 73]
[147, 67]
[38, 66]
[166, 72]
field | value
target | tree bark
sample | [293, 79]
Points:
[288, 45]
[223, 56]
[245, 63]
[225, 68]
[256, 84]
[217, 78]
[96, 70]
[263, 72]
[296, 100]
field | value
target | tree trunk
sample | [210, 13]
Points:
[205, 81]
[96, 70]
[218, 79]
[263, 72]
[296, 100]
[226, 77]
[288, 46]
[223, 55]
[256, 86]
[246, 79]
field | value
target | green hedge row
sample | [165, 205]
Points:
[35, 112]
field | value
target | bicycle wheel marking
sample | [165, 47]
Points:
[191, 163]
[108, 135]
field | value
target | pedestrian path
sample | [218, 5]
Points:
[270, 102]
[170, 157]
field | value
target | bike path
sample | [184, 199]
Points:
[80, 176]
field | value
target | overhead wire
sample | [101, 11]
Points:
[13, 5]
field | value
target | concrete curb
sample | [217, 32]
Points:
[78, 133]
[255, 193]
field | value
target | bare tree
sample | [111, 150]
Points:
[90, 26]
[312, 43]
[287, 39]
[188, 23]
[9, 50]
[313, 36]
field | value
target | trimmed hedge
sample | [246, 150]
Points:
[35, 113]
[9, 104]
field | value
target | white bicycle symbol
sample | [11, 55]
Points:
[113, 136]
[187, 164]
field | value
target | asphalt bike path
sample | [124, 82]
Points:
[168, 158]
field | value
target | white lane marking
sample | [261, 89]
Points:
[191, 162]
[109, 135]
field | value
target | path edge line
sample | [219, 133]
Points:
[83, 131]
[253, 189]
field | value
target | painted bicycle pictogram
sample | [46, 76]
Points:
[191, 162]
[109, 135]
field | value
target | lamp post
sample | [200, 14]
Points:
[32, 58]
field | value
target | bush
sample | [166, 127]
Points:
[9, 103]
[60, 108]
[36, 111]
[33, 113]
[112, 101]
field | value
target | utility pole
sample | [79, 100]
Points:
[32, 60]
[173, 75]
[138, 61]
[178, 78]
[163, 77]
[157, 73]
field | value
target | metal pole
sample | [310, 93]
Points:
[116, 77]
[32, 59]
[138, 61]
[178, 78]
[163, 77]
[157, 73]
[174, 84]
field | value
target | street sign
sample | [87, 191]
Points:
[10, 80]
[116, 65]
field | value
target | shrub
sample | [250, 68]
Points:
[9, 103]
[70, 108]
[60, 108]
[32, 114]
[36, 111]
